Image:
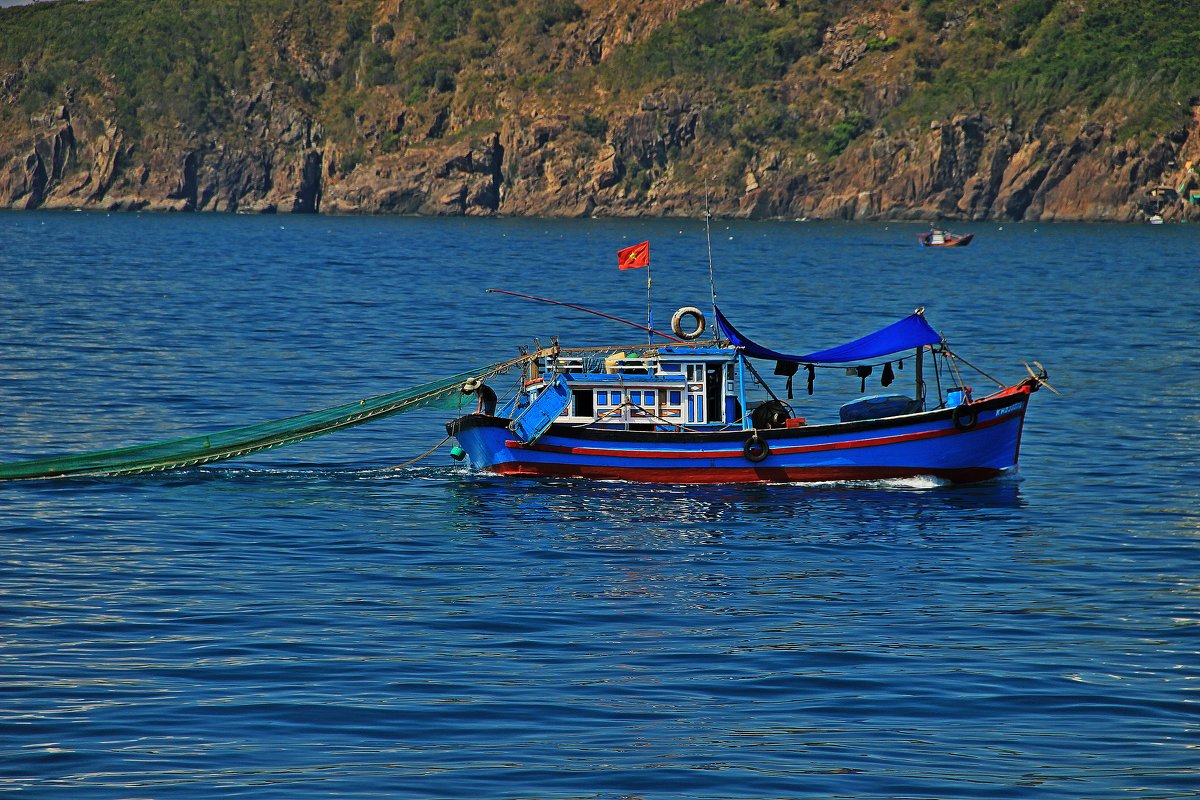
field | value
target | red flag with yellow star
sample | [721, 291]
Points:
[633, 257]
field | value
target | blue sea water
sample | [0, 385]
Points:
[314, 623]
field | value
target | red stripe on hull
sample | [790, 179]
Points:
[737, 474]
[777, 447]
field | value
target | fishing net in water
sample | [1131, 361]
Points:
[243, 441]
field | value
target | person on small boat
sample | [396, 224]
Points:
[486, 395]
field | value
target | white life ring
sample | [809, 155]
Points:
[677, 323]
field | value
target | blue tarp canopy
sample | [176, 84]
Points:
[907, 334]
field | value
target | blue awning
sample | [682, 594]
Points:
[907, 334]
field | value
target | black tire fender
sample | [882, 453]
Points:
[964, 417]
[756, 449]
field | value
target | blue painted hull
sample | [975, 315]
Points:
[973, 443]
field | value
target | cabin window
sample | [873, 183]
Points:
[676, 397]
[584, 407]
[601, 398]
[649, 398]
[635, 398]
[670, 367]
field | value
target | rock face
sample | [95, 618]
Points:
[87, 161]
[970, 168]
[973, 168]
[538, 162]
[457, 180]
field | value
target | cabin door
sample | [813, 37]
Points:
[714, 388]
[696, 410]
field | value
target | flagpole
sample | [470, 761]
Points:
[635, 257]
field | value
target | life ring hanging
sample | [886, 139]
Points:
[756, 449]
[964, 417]
[677, 323]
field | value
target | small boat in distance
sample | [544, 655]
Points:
[936, 238]
[682, 412]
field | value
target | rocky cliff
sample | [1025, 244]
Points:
[589, 108]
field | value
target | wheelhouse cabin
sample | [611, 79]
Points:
[661, 388]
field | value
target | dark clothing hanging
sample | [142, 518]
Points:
[863, 372]
[787, 368]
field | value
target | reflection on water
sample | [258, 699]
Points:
[799, 510]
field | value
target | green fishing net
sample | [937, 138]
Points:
[243, 441]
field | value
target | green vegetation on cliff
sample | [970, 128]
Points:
[178, 60]
[724, 46]
[168, 62]
[1037, 56]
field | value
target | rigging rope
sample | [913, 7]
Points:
[950, 357]
[426, 454]
[999, 383]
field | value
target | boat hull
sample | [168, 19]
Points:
[972, 443]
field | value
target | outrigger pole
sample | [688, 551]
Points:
[646, 328]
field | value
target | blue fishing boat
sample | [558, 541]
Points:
[678, 412]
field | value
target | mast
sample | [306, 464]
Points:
[712, 285]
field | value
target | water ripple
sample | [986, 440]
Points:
[313, 623]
